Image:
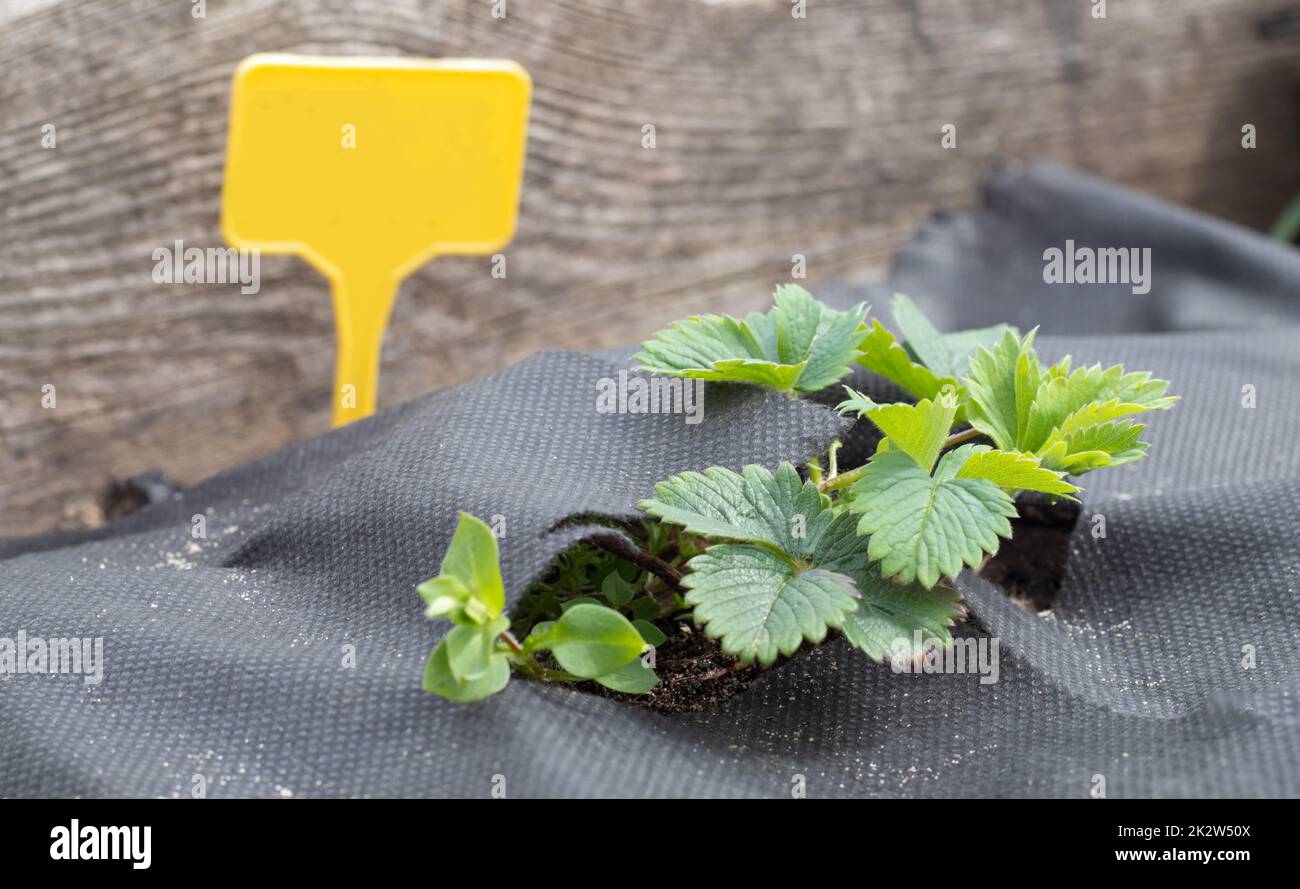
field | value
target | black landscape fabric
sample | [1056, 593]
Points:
[282, 654]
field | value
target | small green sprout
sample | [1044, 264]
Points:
[474, 659]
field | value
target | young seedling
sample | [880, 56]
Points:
[474, 659]
[765, 561]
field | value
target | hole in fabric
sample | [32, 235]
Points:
[1031, 565]
[694, 673]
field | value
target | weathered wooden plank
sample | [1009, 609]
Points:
[774, 136]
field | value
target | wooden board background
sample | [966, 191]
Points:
[775, 136]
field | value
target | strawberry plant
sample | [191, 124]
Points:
[766, 560]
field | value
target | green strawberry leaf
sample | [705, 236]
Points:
[760, 605]
[778, 510]
[1073, 421]
[804, 330]
[716, 347]
[883, 355]
[788, 578]
[1002, 385]
[1111, 443]
[800, 345]
[924, 527]
[922, 338]
[1010, 470]
[889, 615]
[918, 430]
[964, 344]
[1088, 396]
[927, 362]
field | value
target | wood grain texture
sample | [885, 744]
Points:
[774, 136]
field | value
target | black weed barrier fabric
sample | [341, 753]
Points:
[228, 657]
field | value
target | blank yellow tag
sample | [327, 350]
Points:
[368, 168]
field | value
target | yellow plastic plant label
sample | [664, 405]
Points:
[368, 168]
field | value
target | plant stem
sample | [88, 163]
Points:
[561, 676]
[512, 643]
[815, 471]
[832, 458]
[612, 543]
[538, 671]
[835, 482]
[843, 480]
[960, 437]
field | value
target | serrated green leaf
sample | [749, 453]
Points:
[857, 402]
[921, 337]
[439, 679]
[1001, 387]
[781, 377]
[918, 430]
[1071, 420]
[1120, 440]
[924, 527]
[798, 346]
[1111, 443]
[718, 348]
[468, 589]
[634, 678]
[824, 340]
[883, 355]
[889, 614]
[471, 649]
[787, 582]
[1089, 396]
[589, 641]
[1010, 469]
[963, 344]
[946, 354]
[760, 605]
[758, 506]
[927, 362]
[1094, 413]
[1029, 376]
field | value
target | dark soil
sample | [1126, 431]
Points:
[1031, 565]
[694, 674]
